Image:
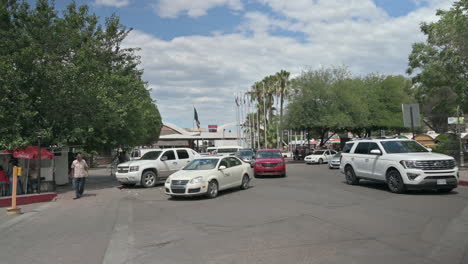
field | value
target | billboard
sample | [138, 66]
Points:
[212, 128]
[411, 115]
[456, 120]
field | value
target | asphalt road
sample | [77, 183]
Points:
[312, 216]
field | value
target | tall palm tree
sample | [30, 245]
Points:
[283, 92]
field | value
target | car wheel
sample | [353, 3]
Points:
[212, 191]
[148, 179]
[445, 190]
[351, 178]
[320, 161]
[245, 182]
[395, 182]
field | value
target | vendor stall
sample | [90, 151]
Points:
[41, 174]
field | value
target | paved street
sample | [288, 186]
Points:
[311, 216]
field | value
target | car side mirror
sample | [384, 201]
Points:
[252, 164]
[163, 158]
[222, 167]
[429, 149]
[376, 152]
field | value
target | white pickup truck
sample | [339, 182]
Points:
[154, 166]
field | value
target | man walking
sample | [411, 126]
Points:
[79, 173]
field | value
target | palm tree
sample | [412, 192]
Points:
[283, 92]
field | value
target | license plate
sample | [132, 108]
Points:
[441, 181]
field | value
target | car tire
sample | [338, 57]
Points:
[149, 179]
[320, 161]
[351, 178]
[212, 190]
[445, 190]
[245, 182]
[395, 182]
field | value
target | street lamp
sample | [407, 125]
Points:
[39, 138]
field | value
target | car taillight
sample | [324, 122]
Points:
[341, 158]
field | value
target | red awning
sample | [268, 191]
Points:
[31, 152]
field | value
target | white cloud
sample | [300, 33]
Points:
[114, 3]
[193, 8]
[205, 71]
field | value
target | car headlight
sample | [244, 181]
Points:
[196, 180]
[168, 180]
[134, 168]
[408, 164]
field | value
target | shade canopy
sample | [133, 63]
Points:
[32, 152]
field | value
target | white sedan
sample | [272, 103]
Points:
[320, 156]
[209, 175]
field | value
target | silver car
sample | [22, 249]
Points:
[334, 162]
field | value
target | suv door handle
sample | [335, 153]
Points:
[227, 174]
[352, 158]
[175, 162]
[367, 160]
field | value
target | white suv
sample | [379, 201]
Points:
[154, 166]
[401, 163]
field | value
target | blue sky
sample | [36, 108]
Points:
[200, 52]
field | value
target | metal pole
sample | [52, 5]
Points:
[14, 210]
[40, 166]
[412, 121]
[462, 156]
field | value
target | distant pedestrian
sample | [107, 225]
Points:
[79, 173]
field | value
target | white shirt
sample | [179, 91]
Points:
[80, 168]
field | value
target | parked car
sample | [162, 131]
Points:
[320, 156]
[287, 154]
[209, 175]
[154, 166]
[334, 162]
[247, 155]
[269, 162]
[301, 152]
[401, 164]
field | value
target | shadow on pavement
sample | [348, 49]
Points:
[384, 187]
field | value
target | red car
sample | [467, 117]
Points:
[269, 162]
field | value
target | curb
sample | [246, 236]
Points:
[463, 182]
[28, 199]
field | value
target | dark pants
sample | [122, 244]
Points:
[78, 184]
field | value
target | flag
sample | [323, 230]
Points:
[195, 116]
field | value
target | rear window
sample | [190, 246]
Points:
[227, 150]
[347, 148]
[268, 154]
[319, 152]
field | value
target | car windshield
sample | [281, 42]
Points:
[337, 155]
[318, 152]
[404, 146]
[268, 154]
[246, 153]
[152, 155]
[227, 150]
[202, 164]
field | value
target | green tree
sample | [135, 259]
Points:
[441, 64]
[68, 77]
